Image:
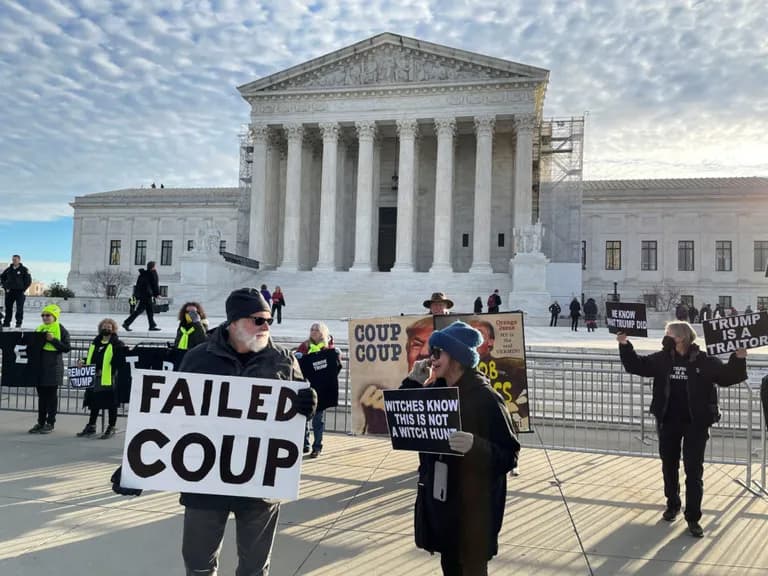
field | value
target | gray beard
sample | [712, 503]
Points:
[254, 343]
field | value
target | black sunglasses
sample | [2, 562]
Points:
[262, 321]
[46, 315]
[435, 352]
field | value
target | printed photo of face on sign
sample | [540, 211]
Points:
[502, 358]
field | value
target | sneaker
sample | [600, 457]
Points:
[108, 433]
[307, 449]
[87, 432]
[126, 327]
[36, 429]
[46, 429]
[515, 471]
[695, 529]
[155, 328]
[314, 454]
[670, 514]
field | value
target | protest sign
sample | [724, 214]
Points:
[502, 358]
[143, 357]
[209, 434]
[21, 358]
[381, 353]
[81, 376]
[627, 317]
[725, 335]
[321, 369]
[422, 419]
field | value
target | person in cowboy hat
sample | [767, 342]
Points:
[439, 304]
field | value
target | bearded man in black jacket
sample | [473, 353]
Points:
[685, 406]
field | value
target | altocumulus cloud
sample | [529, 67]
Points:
[108, 94]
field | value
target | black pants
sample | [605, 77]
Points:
[694, 442]
[14, 297]
[256, 524]
[277, 309]
[95, 416]
[553, 320]
[452, 567]
[574, 323]
[47, 404]
[144, 304]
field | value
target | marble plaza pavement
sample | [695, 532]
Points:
[568, 513]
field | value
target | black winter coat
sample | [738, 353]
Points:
[575, 308]
[100, 397]
[216, 356]
[147, 285]
[468, 523]
[16, 278]
[555, 309]
[51, 373]
[197, 336]
[590, 310]
[704, 372]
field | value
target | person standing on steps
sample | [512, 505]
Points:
[278, 301]
[51, 373]
[478, 305]
[494, 302]
[554, 310]
[107, 353]
[575, 309]
[15, 280]
[146, 290]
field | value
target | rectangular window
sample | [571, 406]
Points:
[723, 259]
[648, 255]
[501, 240]
[190, 245]
[164, 291]
[141, 253]
[762, 302]
[222, 246]
[761, 255]
[650, 301]
[465, 240]
[583, 254]
[687, 299]
[114, 252]
[111, 291]
[166, 253]
[685, 255]
[613, 254]
[725, 302]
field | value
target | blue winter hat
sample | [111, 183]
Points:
[460, 341]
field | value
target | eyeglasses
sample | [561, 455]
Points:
[435, 352]
[261, 321]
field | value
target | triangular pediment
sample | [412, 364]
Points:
[389, 60]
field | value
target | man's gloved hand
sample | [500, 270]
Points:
[306, 403]
[117, 489]
[461, 441]
[421, 371]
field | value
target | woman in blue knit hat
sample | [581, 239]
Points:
[464, 528]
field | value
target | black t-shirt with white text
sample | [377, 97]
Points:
[677, 409]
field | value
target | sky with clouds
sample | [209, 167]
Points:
[99, 95]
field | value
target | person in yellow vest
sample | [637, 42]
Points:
[51, 373]
[106, 352]
[193, 326]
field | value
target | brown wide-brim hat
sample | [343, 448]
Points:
[438, 297]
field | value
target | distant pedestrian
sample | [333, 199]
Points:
[278, 301]
[719, 312]
[554, 310]
[51, 368]
[147, 288]
[693, 314]
[748, 309]
[15, 280]
[494, 302]
[193, 326]
[266, 294]
[106, 352]
[478, 305]
[575, 309]
[590, 314]
[439, 304]
[681, 312]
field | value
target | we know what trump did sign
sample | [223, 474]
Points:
[209, 434]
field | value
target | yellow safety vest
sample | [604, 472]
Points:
[106, 364]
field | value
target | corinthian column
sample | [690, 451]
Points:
[481, 243]
[327, 247]
[407, 131]
[524, 170]
[366, 132]
[295, 135]
[259, 134]
[441, 262]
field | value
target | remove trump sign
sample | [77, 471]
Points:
[209, 434]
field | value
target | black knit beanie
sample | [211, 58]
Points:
[244, 302]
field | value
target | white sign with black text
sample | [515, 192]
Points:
[211, 434]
